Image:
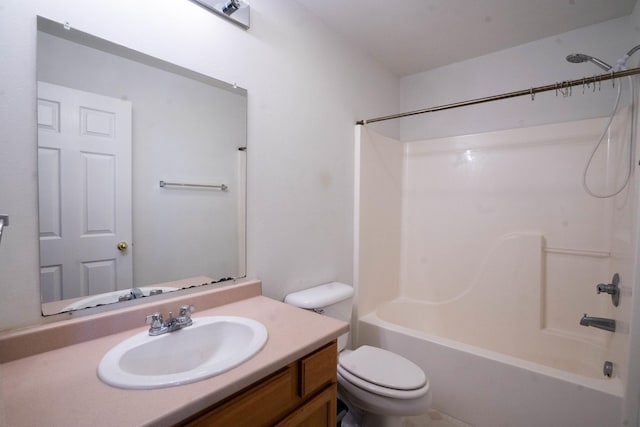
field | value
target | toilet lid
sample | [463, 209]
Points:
[383, 368]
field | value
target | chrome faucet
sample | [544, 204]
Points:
[159, 326]
[599, 322]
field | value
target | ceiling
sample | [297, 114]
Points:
[410, 36]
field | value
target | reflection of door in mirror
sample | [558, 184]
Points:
[84, 161]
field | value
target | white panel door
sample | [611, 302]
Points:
[84, 164]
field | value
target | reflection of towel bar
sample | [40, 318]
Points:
[4, 222]
[578, 252]
[221, 187]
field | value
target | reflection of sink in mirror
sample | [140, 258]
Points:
[115, 296]
[211, 346]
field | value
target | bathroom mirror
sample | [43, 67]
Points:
[142, 170]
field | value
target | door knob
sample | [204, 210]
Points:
[122, 246]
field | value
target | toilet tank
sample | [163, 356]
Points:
[333, 299]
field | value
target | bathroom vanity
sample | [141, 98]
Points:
[48, 373]
[302, 393]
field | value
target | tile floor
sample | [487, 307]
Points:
[433, 418]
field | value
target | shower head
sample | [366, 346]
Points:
[577, 58]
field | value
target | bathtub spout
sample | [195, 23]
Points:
[599, 322]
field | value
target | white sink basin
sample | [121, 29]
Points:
[211, 346]
[111, 297]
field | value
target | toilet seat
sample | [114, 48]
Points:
[384, 373]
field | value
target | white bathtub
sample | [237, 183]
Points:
[493, 389]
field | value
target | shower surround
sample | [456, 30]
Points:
[477, 256]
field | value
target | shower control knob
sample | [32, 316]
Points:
[612, 289]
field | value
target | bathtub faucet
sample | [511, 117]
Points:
[612, 289]
[599, 322]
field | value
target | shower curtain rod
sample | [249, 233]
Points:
[563, 87]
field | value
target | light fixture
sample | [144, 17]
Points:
[231, 6]
[236, 11]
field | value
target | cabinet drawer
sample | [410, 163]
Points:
[318, 369]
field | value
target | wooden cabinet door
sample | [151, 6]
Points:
[318, 412]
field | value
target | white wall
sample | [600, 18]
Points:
[306, 90]
[529, 65]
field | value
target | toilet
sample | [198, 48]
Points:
[377, 385]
